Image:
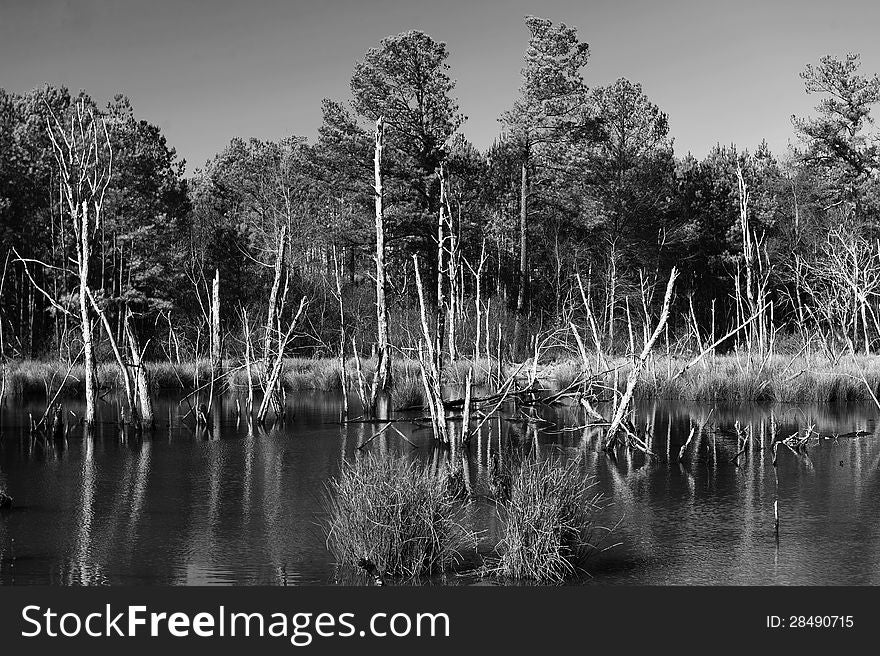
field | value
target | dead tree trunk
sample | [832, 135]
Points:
[145, 403]
[523, 254]
[428, 366]
[273, 295]
[273, 376]
[440, 324]
[342, 373]
[91, 368]
[478, 276]
[247, 362]
[638, 365]
[120, 361]
[453, 260]
[612, 294]
[383, 367]
[85, 169]
[216, 351]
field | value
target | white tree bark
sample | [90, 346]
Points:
[383, 369]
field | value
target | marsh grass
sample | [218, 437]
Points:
[548, 521]
[169, 375]
[407, 391]
[740, 378]
[776, 379]
[734, 378]
[564, 373]
[396, 514]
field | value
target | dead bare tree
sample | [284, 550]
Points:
[843, 282]
[751, 293]
[248, 359]
[440, 321]
[84, 157]
[633, 375]
[142, 388]
[478, 304]
[273, 293]
[272, 391]
[120, 361]
[216, 347]
[428, 367]
[342, 337]
[523, 273]
[381, 380]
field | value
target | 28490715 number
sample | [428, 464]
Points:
[811, 622]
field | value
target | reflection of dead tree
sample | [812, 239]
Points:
[633, 376]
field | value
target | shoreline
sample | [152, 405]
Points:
[727, 378]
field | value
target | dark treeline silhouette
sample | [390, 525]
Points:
[579, 207]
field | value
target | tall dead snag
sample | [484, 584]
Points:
[216, 351]
[478, 303]
[453, 268]
[440, 326]
[248, 359]
[428, 366]
[342, 373]
[85, 161]
[632, 378]
[523, 253]
[611, 308]
[756, 275]
[273, 294]
[383, 367]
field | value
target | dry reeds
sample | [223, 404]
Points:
[735, 378]
[407, 391]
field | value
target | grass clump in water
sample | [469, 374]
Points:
[548, 521]
[408, 391]
[397, 515]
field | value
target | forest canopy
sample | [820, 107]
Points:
[581, 197]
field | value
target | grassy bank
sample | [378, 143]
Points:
[778, 378]
[775, 379]
[36, 377]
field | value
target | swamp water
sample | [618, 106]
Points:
[180, 506]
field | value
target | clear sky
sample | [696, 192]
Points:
[211, 70]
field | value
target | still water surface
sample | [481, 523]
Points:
[183, 507]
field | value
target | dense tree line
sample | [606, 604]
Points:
[580, 206]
